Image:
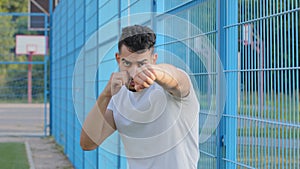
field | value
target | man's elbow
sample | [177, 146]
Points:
[87, 145]
[181, 91]
[88, 148]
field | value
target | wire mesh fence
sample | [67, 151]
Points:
[14, 84]
[267, 75]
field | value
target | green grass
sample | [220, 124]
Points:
[268, 157]
[276, 106]
[13, 156]
[270, 132]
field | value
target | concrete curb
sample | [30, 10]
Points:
[29, 155]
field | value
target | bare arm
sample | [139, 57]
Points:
[175, 81]
[99, 124]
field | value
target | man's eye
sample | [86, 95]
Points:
[141, 64]
[126, 63]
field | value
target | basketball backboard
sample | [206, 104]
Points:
[31, 44]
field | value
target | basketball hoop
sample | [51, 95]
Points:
[31, 49]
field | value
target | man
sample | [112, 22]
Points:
[153, 106]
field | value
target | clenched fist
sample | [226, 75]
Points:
[117, 80]
[144, 77]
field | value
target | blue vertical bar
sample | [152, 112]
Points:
[285, 89]
[282, 89]
[83, 77]
[297, 75]
[119, 35]
[64, 79]
[97, 74]
[254, 85]
[251, 80]
[265, 43]
[45, 78]
[273, 82]
[270, 82]
[221, 49]
[242, 83]
[265, 86]
[248, 91]
[289, 89]
[231, 64]
[294, 87]
[276, 82]
[260, 13]
[272, 47]
[73, 109]
[259, 75]
[279, 83]
[51, 60]
[291, 86]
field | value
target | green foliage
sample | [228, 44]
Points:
[13, 6]
[7, 31]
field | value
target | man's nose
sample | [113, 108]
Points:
[132, 71]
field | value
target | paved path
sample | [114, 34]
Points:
[22, 119]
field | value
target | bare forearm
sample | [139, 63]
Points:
[97, 125]
[173, 80]
[104, 99]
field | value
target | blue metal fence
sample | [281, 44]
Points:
[262, 119]
[257, 43]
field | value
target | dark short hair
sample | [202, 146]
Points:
[137, 38]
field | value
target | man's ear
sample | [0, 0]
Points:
[154, 58]
[117, 55]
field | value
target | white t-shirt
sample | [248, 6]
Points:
[158, 130]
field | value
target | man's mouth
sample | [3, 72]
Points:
[131, 85]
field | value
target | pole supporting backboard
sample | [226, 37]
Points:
[29, 81]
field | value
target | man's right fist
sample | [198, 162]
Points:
[117, 80]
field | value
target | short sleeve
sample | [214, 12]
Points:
[111, 105]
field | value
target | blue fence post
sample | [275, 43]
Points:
[232, 81]
[45, 78]
[50, 54]
[119, 35]
[83, 48]
[221, 50]
[97, 74]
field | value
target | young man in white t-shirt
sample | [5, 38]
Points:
[153, 107]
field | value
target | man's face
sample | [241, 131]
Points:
[130, 62]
